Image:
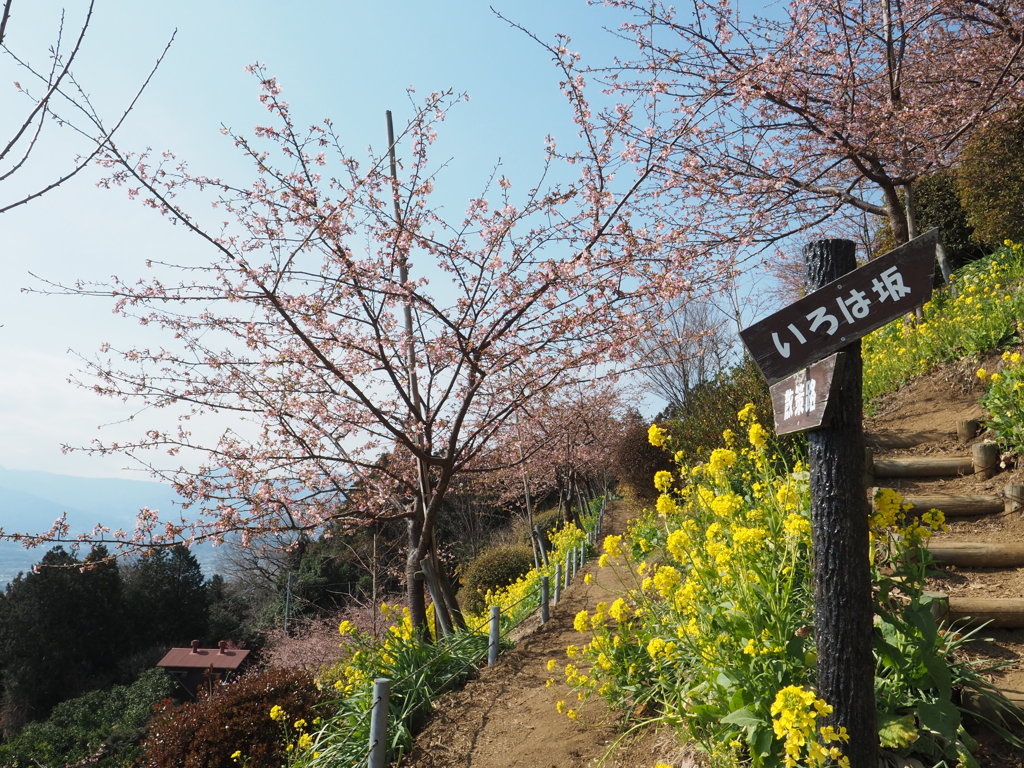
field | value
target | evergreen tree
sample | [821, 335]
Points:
[62, 633]
[166, 598]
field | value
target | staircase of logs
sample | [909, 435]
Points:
[983, 463]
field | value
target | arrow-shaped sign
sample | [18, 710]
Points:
[844, 310]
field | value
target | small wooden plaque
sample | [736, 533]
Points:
[800, 401]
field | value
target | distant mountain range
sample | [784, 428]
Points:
[30, 501]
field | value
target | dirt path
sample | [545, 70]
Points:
[507, 719]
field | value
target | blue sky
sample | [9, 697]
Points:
[347, 60]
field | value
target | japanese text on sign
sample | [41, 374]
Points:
[844, 310]
[800, 401]
[854, 306]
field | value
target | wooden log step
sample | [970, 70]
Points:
[977, 554]
[1001, 612]
[972, 702]
[958, 506]
[924, 466]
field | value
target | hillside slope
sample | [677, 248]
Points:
[507, 718]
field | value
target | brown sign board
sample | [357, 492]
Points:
[844, 310]
[800, 401]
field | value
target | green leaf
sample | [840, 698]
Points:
[743, 718]
[897, 731]
[940, 676]
[920, 617]
[761, 742]
[940, 716]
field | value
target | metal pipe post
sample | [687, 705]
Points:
[495, 636]
[379, 724]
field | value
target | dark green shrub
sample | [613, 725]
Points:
[697, 425]
[205, 733]
[991, 180]
[636, 460]
[497, 567]
[104, 726]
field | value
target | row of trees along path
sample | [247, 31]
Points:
[507, 718]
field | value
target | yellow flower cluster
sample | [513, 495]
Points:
[303, 739]
[795, 714]
[716, 587]
[366, 659]
[893, 517]
[657, 436]
[985, 309]
[662, 480]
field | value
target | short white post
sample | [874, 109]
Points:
[544, 588]
[379, 724]
[495, 636]
[568, 569]
[558, 582]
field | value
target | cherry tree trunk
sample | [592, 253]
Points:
[414, 583]
[839, 521]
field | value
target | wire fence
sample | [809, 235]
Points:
[385, 727]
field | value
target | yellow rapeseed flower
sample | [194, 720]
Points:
[581, 622]
[657, 436]
[662, 480]
[757, 436]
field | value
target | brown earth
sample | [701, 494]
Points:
[507, 719]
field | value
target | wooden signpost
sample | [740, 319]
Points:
[844, 309]
[825, 399]
[801, 401]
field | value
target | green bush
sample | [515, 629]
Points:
[105, 726]
[991, 180]
[235, 717]
[494, 568]
[711, 408]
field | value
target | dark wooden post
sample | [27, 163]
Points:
[839, 522]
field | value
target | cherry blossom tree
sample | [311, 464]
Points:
[565, 442]
[776, 122]
[56, 99]
[366, 349]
